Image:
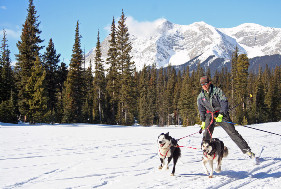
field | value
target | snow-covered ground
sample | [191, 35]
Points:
[99, 156]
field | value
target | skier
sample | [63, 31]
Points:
[213, 108]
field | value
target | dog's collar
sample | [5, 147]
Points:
[206, 155]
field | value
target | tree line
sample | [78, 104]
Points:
[41, 89]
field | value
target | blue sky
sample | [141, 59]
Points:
[58, 17]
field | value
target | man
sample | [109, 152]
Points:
[213, 108]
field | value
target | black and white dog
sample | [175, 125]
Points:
[168, 148]
[213, 150]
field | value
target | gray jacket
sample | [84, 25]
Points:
[216, 102]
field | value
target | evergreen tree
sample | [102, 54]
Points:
[113, 77]
[152, 95]
[99, 83]
[50, 61]
[62, 76]
[143, 101]
[6, 73]
[241, 92]
[259, 105]
[7, 87]
[169, 93]
[87, 109]
[127, 101]
[176, 98]
[29, 47]
[251, 87]
[272, 98]
[36, 88]
[277, 91]
[8, 111]
[233, 77]
[189, 93]
[161, 105]
[185, 99]
[73, 94]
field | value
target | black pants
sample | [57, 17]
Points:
[229, 129]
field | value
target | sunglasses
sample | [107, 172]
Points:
[202, 84]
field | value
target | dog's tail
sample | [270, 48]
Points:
[225, 152]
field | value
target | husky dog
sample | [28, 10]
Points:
[213, 150]
[168, 147]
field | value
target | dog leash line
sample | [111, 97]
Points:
[187, 136]
[253, 128]
[188, 147]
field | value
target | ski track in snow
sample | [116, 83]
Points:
[95, 156]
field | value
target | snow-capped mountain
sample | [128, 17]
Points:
[167, 43]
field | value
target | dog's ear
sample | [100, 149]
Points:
[167, 134]
[160, 134]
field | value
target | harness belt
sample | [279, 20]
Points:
[166, 152]
[212, 113]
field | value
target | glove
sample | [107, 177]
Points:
[202, 127]
[219, 118]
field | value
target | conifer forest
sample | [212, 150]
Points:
[42, 89]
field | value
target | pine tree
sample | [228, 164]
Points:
[7, 86]
[169, 93]
[259, 98]
[176, 98]
[127, 101]
[73, 94]
[87, 109]
[62, 76]
[29, 47]
[272, 97]
[99, 83]
[152, 95]
[36, 88]
[143, 101]
[233, 77]
[185, 99]
[8, 111]
[241, 92]
[277, 91]
[50, 62]
[6, 74]
[161, 105]
[188, 98]
[113, 77]
[195, 90]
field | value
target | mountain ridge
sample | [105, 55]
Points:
[166, 43]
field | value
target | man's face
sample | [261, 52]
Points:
[205, 86]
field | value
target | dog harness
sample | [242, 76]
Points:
[166, 152]
[206, 155]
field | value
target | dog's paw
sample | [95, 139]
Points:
[160, 167]
[210, 176]
[172, 174]
[218, 170]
